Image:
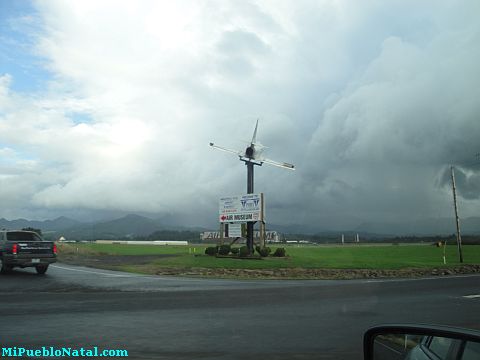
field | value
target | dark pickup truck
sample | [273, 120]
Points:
[19, 248]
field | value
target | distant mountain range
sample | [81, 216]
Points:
[128, 226]
[133, 225]
[58, 224]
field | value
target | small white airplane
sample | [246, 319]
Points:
[253, 153]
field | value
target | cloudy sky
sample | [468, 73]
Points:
[108, 107]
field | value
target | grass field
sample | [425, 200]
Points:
[309, 257]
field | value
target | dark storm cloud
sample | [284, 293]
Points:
[391, 132]
[467, 181]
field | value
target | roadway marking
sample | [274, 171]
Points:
[93, 272]
[125, 275]
[153, 277]
[267, 281]
[471, 296]
[117, 275]
[420, 279]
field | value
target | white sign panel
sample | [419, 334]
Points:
[235, 230]
[211, 235]
[241, 208]
[271, 236]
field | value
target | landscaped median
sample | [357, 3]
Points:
[301, 262]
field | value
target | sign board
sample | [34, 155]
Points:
[235, 230]
[241, 208]
[270, 236]
[211, 235]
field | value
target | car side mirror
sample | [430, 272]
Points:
[421, 342]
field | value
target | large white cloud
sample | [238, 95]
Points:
[370, 100]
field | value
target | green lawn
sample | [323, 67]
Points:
[340, 257]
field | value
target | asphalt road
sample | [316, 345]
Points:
[178, 318]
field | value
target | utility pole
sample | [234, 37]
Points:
[457, 221]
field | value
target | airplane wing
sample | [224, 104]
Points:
[236, 152]
[279, 164]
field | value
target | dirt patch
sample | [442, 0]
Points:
[298, 273]
[143, 264]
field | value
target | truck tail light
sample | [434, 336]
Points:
[14, 249]
[55, 249]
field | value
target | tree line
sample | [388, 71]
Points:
[173, 235]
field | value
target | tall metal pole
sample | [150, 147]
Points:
[249, 177]
[457, 221]
[250, 191]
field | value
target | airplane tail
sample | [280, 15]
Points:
[254, 138]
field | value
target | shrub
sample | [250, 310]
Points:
[235, 251]
[244, 251]
[224, 249]
[211, 250]
[258, 248]
[264, 252]
[279, 252]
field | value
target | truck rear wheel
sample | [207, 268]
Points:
[4, 268]
[41, 269]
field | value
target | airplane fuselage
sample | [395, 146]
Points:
[252, 152]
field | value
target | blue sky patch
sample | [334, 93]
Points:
[19, 24]
[80, 117]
